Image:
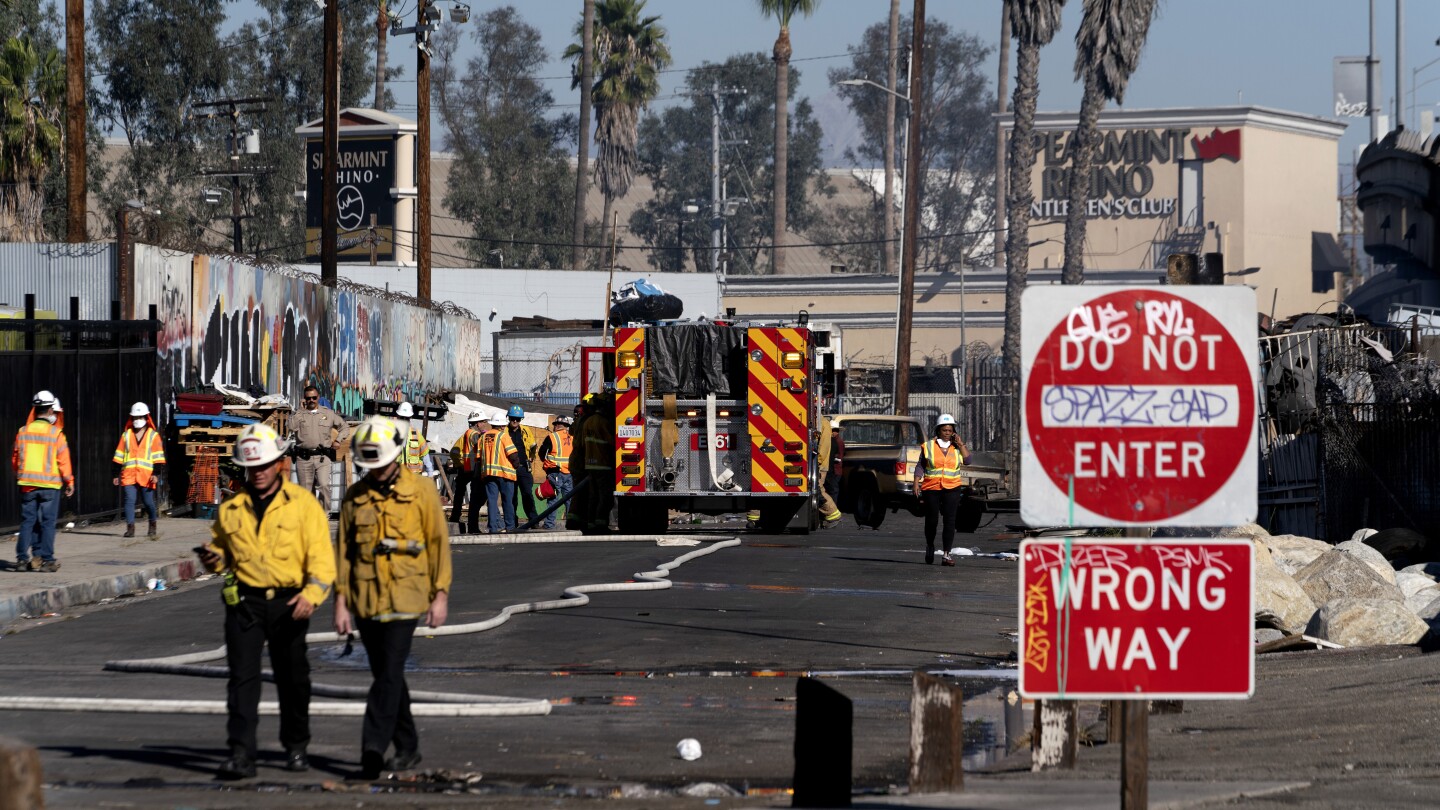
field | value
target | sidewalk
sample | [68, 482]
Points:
[97, 563]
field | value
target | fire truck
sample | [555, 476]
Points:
[716, 417]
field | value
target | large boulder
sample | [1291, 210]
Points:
[1361, 534]
[1422, 601]
[1254, 531]
[1337, 575]
[1293, 552]
[1370, 557]
[1409, 583]
[1278, 596]
[1429, 569]
[1366, 622]
[1403, 547]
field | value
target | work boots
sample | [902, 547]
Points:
[238, 766]
[129, 530]
[154, 531]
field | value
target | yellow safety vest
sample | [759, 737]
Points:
[415, 453]
[41, 457]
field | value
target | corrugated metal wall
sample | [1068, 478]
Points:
[56, 271]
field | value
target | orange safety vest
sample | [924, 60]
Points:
[498, 448]
[415, 453]
[41, 458]
[470, 448]
[558, 459]
[137, 456]
[941, 466]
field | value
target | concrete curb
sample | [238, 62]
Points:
[93, 590]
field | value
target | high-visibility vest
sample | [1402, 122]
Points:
[498, 449]
[415, 453]
[41, 457]
[137, 454]
[469, 447]
[558, 459]
[941, 466]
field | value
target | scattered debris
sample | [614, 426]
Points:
[688, 749]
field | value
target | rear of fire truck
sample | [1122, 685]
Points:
[716, 418]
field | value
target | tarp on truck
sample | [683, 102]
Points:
[692, 361]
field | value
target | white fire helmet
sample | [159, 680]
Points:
[259, 445]
[377, 442]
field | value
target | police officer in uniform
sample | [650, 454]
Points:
[394, 574]
[274, 540]
[319, 432]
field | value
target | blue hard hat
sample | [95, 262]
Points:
[516, 412]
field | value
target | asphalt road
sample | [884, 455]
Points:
[714, 658]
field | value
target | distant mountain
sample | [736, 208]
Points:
[841, 128]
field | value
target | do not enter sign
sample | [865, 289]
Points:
[1138, 406]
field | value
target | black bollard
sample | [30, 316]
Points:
[823, 743]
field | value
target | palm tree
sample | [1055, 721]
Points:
[784, 11]
[1107, 51]
[32, 108]
[629, 53]
[1033, 24]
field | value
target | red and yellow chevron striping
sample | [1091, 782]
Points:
[629, 419]
[778, 402]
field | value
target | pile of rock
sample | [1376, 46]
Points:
[1348, 594]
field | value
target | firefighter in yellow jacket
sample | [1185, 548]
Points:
[394, 573]
[41, 461]
[273, 537]
[140, 450]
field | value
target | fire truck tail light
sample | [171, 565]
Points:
[794, 482]
[629, 469]
[792, 360]
[794, 447]
[630, 482]
[632, 457]
[794, 469]
[627, 360]
[723, 413]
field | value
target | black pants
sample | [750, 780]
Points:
[387, 710]
[941, 505]
[601, 500]
[525, 484]
[468, 486]
[249, 626]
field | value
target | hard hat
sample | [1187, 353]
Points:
[834, 424]
[945, 419]
[516, 412]
[376, 443]
[405, 411]
[475, 417]
[44, 399]
[139, 409]
[259, 445]
[57, 408]
[589, 399]
[563, 420]
[499, 420]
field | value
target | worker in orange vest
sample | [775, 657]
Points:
[500, 457]
[555, 458]
[468, 483]
[139, 451]
[939, 483]
[41, 460]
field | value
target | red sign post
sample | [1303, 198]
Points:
[1128, 619]
[1139, 406]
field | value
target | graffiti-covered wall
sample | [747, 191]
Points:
[271, 332]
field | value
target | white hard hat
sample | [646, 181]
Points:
[259, 445]
[139, 409]
[376, 443]
[44, 399]
[405, 410]
[57, 407]
[834, 424]
[945, 419]
[499, 420]
[475, 417]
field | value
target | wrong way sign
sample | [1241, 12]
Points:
[1139, 406]
[1128, 619]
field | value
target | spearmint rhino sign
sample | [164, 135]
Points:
[1121, 179]
[364, 176]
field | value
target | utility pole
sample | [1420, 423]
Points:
[716, 214]
[75, 230]
[912, 211]
[330, 146]
[1370, 77]
[1002, 103]
[1399, 63]
[232, 109]
[582, 163]
[892, 62]
[423, 26]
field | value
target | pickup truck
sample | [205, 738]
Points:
[877, 472]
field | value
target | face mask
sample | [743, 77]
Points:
[49, 417]
[945, 443]
[138, 423]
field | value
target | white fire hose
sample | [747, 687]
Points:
[428, 704]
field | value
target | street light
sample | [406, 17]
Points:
[1414, 72]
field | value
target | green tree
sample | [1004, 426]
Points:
[511, 179]
[160, 57]
[783, 11]
[629, 53]
[675, 155]
[1107, 51]
[277, 57]
[957, 159]
[1033, 24]
[32, 104]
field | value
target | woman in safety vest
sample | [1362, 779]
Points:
[938, 482]
[139, 451]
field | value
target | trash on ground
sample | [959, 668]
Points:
[688, 749]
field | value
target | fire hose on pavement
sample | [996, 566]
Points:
[427, 704]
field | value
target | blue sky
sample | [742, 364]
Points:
[1276, 53]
